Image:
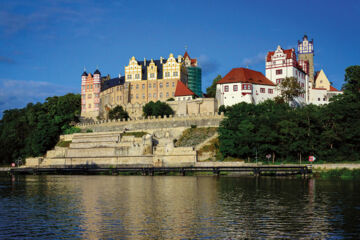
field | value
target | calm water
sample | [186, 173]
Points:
[176, 207]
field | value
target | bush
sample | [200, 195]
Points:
[89, 130]
[170, 99]
[72, 130]
[157, 109]
[118, 113]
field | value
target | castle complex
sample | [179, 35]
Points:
[177, 80]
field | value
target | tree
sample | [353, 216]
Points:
[352, 80]
[157, 109]
[211, 91]
[289, 90]
[118, 113]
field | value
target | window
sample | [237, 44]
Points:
[152, 75]
[262, 90]
[90, 86]
[173, 94]
[271, 91]
[167, 94]
[278, 81]
[167, 84]
[137, 86]
[279, 71]
[96, 95]
[117, 88]
[89, 96]
[235, 88]
[175, 74]
[126, 86]
[226, 88]
[117, 98]
[149, 95]
[154, 85]
[154, 95]
[137, 76]
[173, 84]
[161, 85]
[160, 95]
[149, 85]
[167, 74]
[137, 96]
[131, 96]
[121, 87]
[318, 99]
[129, 76]
[143, 86]
[324, 99]
[83, 96]
[246, 86]
[131, 87]
[143, 95]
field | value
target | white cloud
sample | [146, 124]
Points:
[260, 57]
[18, 93]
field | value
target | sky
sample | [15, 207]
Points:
[45, 45]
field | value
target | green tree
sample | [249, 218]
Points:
[118, 113]
[352, 80]
[289, 90]
[157, 109]
[211, 91]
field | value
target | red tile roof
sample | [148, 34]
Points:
[245, 75]
[182, 90]
[334, 89]
[288, 53]
[186, 55]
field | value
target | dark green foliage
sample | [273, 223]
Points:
[157, 109]
[329, 132]
[135, 134]
[211, 91]
[289, 89]
[118, 113]
[33, 130]
[72, 130]
[171, 99]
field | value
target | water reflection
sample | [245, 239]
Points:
[174, 207]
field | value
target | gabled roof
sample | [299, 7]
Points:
[288, 53]
[147, 63]
[245, 75]
[182, 90]
[186, 55]
[112, 83]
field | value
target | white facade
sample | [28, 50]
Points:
[282, 64]
[228, 94]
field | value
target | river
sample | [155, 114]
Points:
[177, 207]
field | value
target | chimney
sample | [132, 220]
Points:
[161, 60]
[144, 61]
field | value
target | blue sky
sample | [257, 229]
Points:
[44, 45]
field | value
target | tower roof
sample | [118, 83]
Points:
[84, 74]
[182, 90]
[97, 72]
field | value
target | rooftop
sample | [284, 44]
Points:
[245, 75]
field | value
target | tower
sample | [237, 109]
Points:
[306, 54]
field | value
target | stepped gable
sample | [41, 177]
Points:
[192, 60]
[182, 90]
[147, 63]
[288, 53]
[245, 75]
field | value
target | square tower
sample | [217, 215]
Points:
[306, 53]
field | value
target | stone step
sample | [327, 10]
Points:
[94, 144]
[91, 152]
[91, 135]
[96, 139]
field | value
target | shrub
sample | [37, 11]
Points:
[72, 130]
[157, 109]
[118, 113]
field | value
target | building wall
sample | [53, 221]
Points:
[90, 95]
[318, 97]
[246, 92]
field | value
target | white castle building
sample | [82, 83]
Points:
[245, 85]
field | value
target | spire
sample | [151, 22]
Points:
[84, 73]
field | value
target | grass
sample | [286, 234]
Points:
[63, 144]
[343, 173]
[135, 134]
[194, 136]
